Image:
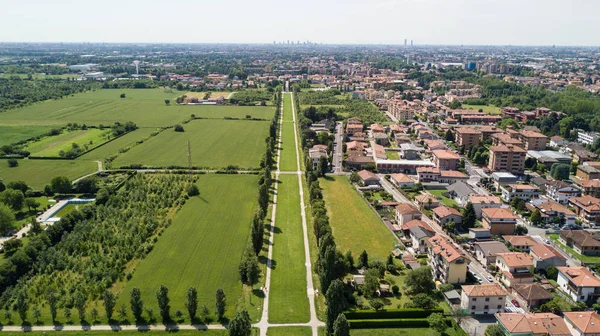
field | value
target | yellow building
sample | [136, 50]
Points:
[447, 263]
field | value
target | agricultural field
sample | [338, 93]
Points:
[117, 144]
[220, 112]
[288, 278]
[355, 226]
[16, 133]
[213, 94]
[52, 146]
[214, 144]
[486, 108]
[202, 247]
[38, 173]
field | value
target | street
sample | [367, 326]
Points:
[338, 150]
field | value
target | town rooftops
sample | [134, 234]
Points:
[498, 213]
[445, 154]
[581, 238]
[407, 209]
[536, 324]
[503, 148]
[491, 248]
[444, 211]
[587, 202]
[521, 240]
[366, 175]
[447, 250]
[532, 291]
[416, 222]
[532, 134]
[453, 174]
[544, 252]
[588, 183]
[484, 199]
[580, 276]
[516, 259]
[492, 289]
[521, 187]
[467, 130]
[587, 322]
[401, 178]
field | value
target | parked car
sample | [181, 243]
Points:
[515, 302]
[490, 278]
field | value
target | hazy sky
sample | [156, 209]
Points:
[516, 22]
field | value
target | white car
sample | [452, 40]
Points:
[490, 278]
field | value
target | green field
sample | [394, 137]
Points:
[487, 109]
[288, 148]
[38, 173]
[355, 226]
[289, 331]
[202, 247]
[145, 107]
[445, 200]
[51, 146]
[214, 144]
[115, 145]
[12, 134]
[288, 302]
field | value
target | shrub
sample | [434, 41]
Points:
[401, 313]
[13, 163]
[179, 128]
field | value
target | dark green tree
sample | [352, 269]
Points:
[437, 322]
[363, 260]
[52, 299]
[108, 301]
[469, 216]
[191, 303]
[323, 166]
[240, 325]
[220, 302]
[164, 306]
[137, 305]
[420, 281]
[341, 327]
[336, 303]
[536, 217]
[22, 304]
[60, 185]
[7, 219]
[79, 301]
[257, 234]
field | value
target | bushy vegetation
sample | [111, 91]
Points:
[251, 97]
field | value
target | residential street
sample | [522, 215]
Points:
[338, 152]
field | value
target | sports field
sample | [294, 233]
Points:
[288, 302]
[214, 144]
[38, 173]
[288, 147]
[145, 107]
[16, 133]
[202, 247]
[117, 144]
[51, 146]
[355, 226]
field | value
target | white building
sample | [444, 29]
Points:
[483, 299]
[579, 283]
[586, 137]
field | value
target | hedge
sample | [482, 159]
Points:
[392, 323]
[402, 313]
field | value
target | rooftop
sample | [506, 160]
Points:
[580, 276]
[492, 289]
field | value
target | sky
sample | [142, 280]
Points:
[454, 22]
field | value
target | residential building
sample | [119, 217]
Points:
[533, 140]
[501, 178]
[410, 151]
[505, 139]
[427, 201]
[460, 192]
[583, 323]
[587, 138]
[354, 126]
[588, 187]
[483, 201]
[401, 166]
[581, 241]
[402, 180]
[586, 172]
[483, 299]
[545, 256]
[452, 176]
[557, 141]
[532, 294]
[479, 233]
[587, 209]
[443, 215]
[507, 159]
[467, 137]
[500, 221]
[486, 251]
[514, 267]
[427, 174]
[525, 192]
[381, 138]
[536, 324]
[419, 236]
[561, 192]
[368, 178]
[447, 263]
[316, 153]
[550, 210]
[407, 212]
[521, 243]
[445, 159]
[548, 157]
[579, 283]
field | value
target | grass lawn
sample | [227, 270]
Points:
[288, 149]
[445, 200]
[202, 248]
[355, 226]
[289, 331]
[51, 146]
[214, 144]
[486, 108]
[38, 173]
[287, 294]
[586, 259]
[12, 134]
[114, 146]
[67, 208]
[392, 155]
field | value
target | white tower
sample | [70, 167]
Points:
[137, 67]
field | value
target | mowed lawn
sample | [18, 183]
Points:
[486, 108]
[38, 173]
[16, 133]
[115, 145]
[288, 302]
[51, 146]
[288, 146]
[145, 107]
[202, 247]
[355, 226]
[289, 331]
[214, 144]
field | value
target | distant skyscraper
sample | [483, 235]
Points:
[411, 43]
[405, 42]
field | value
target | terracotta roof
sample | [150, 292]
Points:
[588, 183]
[517, 186]
[516, 259]
[445, 154]
[532, 134]
[492, 289]
[581, 237]
[580, 276]
[453, 173]
[467, 130]
[446, 249]
[405, 209]
[444, 211]
[587, 202]
[365, 175]
[540, 323]
[484, 199]
[532, 291]
[503, 148]
[416, 222]
[521, 240]
[402, 178]
[588, 322]
[495, 213]
[545, 252]
[431, 170]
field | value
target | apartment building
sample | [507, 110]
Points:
[467, 137]
[500, 221]
[445, 159]
[561, 192]
[587, 209]
[525, 192]
[533, 140]
[483, 299]
[507, 159]
[533, 324]
[448, 264]
[583, 323]
[483, 201]
[587, 138]
[514, 267]
[579, 283]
